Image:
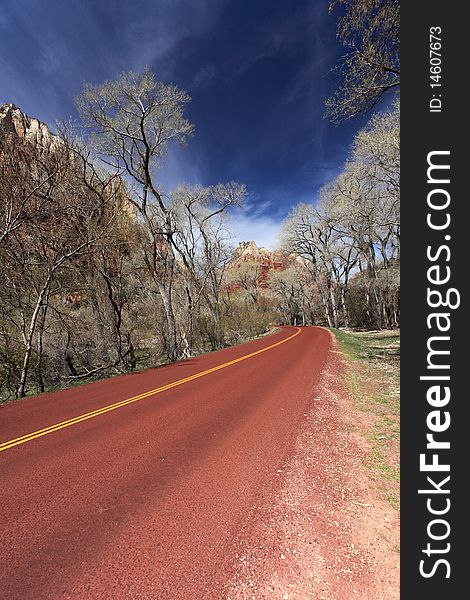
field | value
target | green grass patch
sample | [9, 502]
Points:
[374, 382]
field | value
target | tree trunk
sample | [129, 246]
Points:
[333, 305]
[344, 307]
[42, 322]
[171, 341]
[29, 338]
[326, 307]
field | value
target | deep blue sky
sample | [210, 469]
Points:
[258, 72]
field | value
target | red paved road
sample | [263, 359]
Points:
[148, 501]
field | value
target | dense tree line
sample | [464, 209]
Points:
[102, 272]
[350, 239]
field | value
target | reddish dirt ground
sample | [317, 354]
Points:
[329, 534]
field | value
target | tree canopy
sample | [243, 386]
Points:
[370, 30]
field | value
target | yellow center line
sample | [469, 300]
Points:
[100, 411]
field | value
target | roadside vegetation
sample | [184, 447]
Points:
[104, 272]
[373, 380]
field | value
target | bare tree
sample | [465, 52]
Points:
[37, 253]
[292, 293]
[200, 240]
[355, 227]
[133, 120]
[370, 29]
[26, 181]
[304, 235]
[369, 189]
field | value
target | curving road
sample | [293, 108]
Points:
[141, 486]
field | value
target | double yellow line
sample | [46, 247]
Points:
[100, 411]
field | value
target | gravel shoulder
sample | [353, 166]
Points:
[332, 530]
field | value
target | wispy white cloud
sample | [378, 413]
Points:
[204, 76]
[80, 41]
[264, 230]
[150, 40]
[258, 79]
[177, 168]
[3, 19]
[53, 57]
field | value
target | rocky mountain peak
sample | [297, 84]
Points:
[13, 121]
[250, 255]
[249, 251]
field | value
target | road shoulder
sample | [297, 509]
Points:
[332, 531]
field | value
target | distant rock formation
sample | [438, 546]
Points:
[14, 122]
[249, 253]
[18, 127]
